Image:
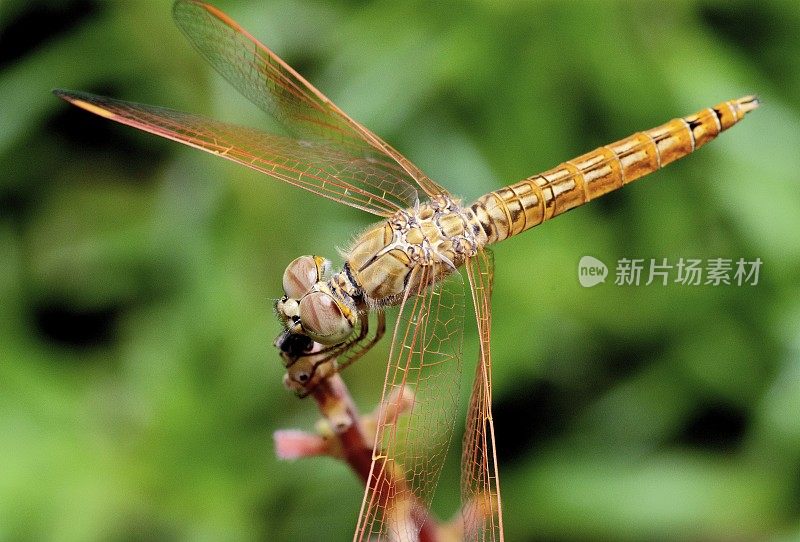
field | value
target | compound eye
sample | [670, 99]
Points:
[303, 273]
[323, 320]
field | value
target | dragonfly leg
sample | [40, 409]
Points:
[306, 367]
[364, 343]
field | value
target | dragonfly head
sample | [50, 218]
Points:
[309, 306]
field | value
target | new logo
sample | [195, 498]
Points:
[591, 271]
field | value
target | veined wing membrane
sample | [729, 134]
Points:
[409, 451]
[274, 86]
[480, 484]
[317, 166]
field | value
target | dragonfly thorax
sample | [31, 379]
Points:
[438, 233]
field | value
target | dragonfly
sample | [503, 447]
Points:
[410, 259]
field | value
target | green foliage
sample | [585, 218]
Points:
[138, 386]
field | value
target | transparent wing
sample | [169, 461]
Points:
[409, 451]
[317, 166]
[271, 84]
[480, 485]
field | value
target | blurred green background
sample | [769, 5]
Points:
[139, 388]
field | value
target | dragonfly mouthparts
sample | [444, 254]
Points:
[294, 344]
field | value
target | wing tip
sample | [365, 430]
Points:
[84, 101]
[208, 8]
[62, 93]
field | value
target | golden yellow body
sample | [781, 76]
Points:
[442, 233]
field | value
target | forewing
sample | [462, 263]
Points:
[480, 485]
[274, 86]
[410, 449]
[317, 166]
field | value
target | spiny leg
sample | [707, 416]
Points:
[303, 367]
[364, 344]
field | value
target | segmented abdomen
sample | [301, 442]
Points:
[518, 207]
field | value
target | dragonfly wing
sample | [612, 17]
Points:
[317, 166]
[410, 449]
[480, 485]
[274, 86]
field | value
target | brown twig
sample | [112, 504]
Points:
[350, 437]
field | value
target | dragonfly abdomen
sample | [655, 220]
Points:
[528, 203]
